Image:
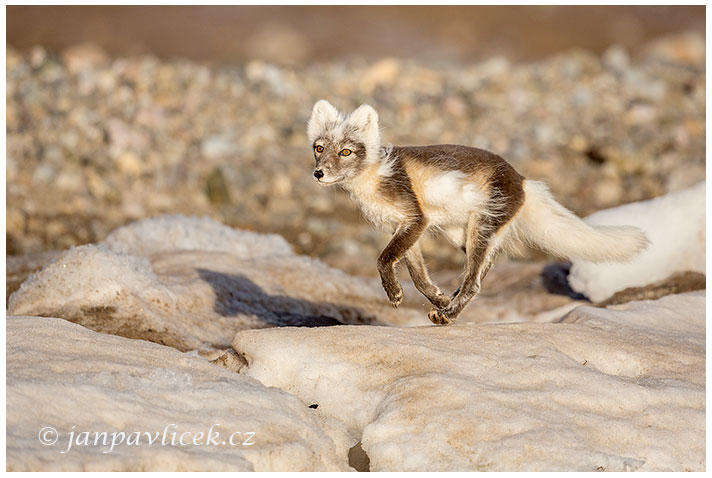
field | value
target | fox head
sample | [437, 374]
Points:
[343, 145]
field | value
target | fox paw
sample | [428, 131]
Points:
[395, 295]
[438, 317]
[441, 301]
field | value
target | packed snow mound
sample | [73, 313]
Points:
[64, 376]
[667, 317]
[194, 295]
[675, 226]
[604, 389]
[175, 233]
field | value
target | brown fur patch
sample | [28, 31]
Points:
[489, 172]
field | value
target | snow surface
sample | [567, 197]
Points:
[604, 389]
[175, 233]
[675, 225]
[620, 388]
[65, 376]
[192, 283]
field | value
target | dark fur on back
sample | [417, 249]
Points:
[506, 182]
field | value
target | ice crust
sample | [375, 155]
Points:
[184, 233]
[63, 375]
[191, 283]
[605, 389]
[620, 388]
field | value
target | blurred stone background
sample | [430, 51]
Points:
[121, 113]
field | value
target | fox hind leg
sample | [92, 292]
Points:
[483, 237]
[487, 230]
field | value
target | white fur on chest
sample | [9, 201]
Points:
[449, 198]
[375, 207]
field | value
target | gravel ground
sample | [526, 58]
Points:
[95, 142]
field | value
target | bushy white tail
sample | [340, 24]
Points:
[544, 223]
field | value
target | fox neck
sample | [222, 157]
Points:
[377, 166]
[374, 197]
[366, 183]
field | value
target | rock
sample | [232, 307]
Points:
[218, 146]
[259, 72]
[38, 56]
[644, 87]
[216, 188]
[675, 225]
[15, 222]
[639, 114]
[279, 43]
[687, 48]
[129, 163]
[616, 58]
[84, 56]
[282, 185]
[381, 73]
[70, 179]
[556, 280]
[14, 59]
[125, 137]
[63, 379]
[604, 389]
[455, 106]
[675, 284]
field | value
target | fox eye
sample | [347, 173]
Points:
[319, 148]
[345, 152]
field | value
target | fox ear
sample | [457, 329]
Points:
[322, 113]
[365, 119]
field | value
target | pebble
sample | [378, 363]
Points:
[383, 73]
[141, 136]
[129, 163]
[616, 58]
[84, 56]
[217, 146]
[687, 48]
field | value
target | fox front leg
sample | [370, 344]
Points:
[404, 238]
[419, 273]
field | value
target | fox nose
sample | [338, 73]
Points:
[318, 174]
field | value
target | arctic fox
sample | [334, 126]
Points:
[474, 197]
